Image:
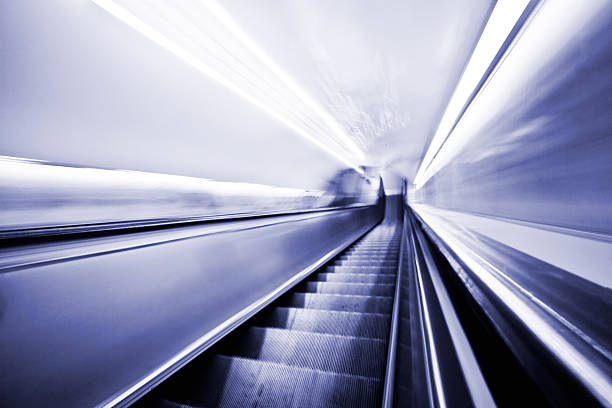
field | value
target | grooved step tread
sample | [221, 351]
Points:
[325, 352]
[382, 243]
[379, 250]
[367, 325]
[243, 382]
[367, 258]
[360, 269]
[377, 246]
[341, 288]
[347, 303]
[364, 262]
[355, 277]
[374, 246]
[385, 253]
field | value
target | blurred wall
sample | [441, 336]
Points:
[78, 86]
[536, 144]
[392, 182]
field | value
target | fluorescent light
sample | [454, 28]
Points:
[24, 172]
[551, 32]
[222, 15]
[501, 22]
[221, 50]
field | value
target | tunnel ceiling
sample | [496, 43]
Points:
[88, 85]
[384, 70]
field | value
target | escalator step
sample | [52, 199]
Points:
[374, 246]
[378, 245]
[369, 325]
[338, 288]
[242, 382]
[375, 258]
[326, 352]
[347, 303]
[364, 262]
[360, 269]
[370, 251]
[367, 251]
[355, 277]
[382, 246]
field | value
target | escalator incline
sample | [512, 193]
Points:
[323, 344]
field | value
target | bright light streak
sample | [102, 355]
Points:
[503, 18]
[549, 33]
[288, 103]
[85, 195]
[34, 174]
[222, 15]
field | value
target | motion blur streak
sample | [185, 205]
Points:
[290, 203]
[204, 36]
[500, 23]
[37, 194]
[218, 11]
[535, 144]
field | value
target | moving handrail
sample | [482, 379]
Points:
[542, 340]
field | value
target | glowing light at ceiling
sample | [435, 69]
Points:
[202, 34]
[501, 22]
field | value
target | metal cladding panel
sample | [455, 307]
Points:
[77, 332]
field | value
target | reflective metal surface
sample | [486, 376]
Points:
[41, 198]
[554, 322]
[78, 331]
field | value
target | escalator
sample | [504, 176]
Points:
[323, 344]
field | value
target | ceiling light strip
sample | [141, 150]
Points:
[498, 57]
[504, 23]
[163, 41]
[215, 8]
[183, 30]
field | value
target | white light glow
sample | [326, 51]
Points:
[232, 26]
[202, 34]
[500, 24]
[83, 195]
[549, 33]
[16, 172]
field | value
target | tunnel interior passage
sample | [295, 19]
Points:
[305, 203]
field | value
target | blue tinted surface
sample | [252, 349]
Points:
[546, 156]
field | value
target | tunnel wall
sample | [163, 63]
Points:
[78, 86]
[538, 141]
